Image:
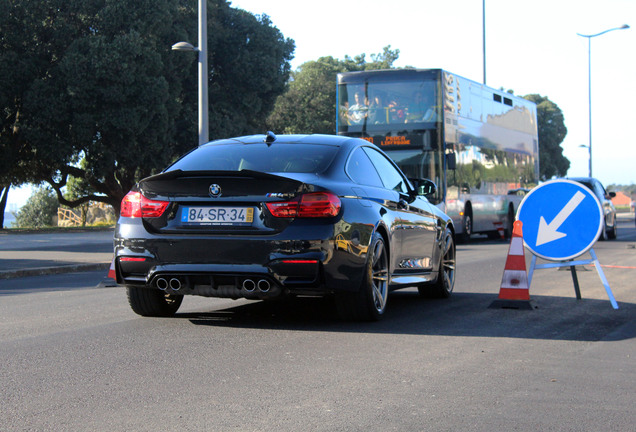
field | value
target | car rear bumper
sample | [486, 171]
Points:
[237, 266]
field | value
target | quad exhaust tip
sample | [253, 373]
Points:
[175, 284]
[263, 285]
[163, 284]
[250, 285]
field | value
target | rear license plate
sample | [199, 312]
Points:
[217, 215]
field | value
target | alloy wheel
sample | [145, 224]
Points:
[380, 279]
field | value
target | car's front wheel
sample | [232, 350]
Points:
[613, 232]
[369, 302]
[153, 303]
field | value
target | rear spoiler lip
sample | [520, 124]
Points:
[171, 175]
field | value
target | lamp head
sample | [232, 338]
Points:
[184, 46]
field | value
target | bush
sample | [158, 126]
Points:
[39, 209]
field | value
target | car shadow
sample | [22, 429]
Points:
[464, 314]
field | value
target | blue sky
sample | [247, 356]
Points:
[531, 47]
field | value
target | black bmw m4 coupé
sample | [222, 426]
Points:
[261, 217]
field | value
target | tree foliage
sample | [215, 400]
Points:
[39, 209]
[309, 103]
[552, 131]
[96, 80]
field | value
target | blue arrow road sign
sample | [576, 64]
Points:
[562, 219]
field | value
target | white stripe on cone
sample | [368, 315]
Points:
[514, 279]
[516, 246]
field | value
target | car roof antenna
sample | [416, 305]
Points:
[270, 137]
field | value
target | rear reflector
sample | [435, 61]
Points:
[299, 261]
[136, 205]
[134, 259]
[310, 205]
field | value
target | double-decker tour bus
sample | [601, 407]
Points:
[478, 144]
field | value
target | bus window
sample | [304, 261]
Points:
[387, 106]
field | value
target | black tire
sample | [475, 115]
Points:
[510, 223]
[369, 302]
[613, 232]
[467, 225]
[153, 303]
[443, 286]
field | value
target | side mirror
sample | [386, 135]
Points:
[424, 187]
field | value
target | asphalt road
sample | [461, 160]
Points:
[73, 356]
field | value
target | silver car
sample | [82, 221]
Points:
[605, 198]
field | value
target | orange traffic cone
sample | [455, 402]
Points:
[111, 270]
[515, 291]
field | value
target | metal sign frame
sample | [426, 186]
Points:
[575, 279]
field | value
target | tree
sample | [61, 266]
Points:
[4, 196]
[552, 131]
[308, 104]
[97, 81]
[39, 209]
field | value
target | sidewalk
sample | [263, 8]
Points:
[625, 216]
[35, 254]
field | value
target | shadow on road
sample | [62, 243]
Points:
[465, 314]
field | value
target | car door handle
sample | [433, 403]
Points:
[403, 205]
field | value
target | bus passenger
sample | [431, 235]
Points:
[422, 110]
[431, 112]
[378, 112]
[415, 112]
[343, 113]
[358, 112]
[397, 111]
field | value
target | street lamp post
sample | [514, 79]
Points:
[483, 36]
[589, 84]
[202, 49]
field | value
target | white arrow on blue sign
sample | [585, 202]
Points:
[562, 219]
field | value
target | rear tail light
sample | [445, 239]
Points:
[310, 205]
[136, 205]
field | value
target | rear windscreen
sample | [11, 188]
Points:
[292, 158]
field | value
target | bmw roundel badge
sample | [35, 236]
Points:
[215, 190]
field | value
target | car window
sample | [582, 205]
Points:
[591, 186]
[601, 190]
[285, 158]
[361, 170]
[390, 176]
